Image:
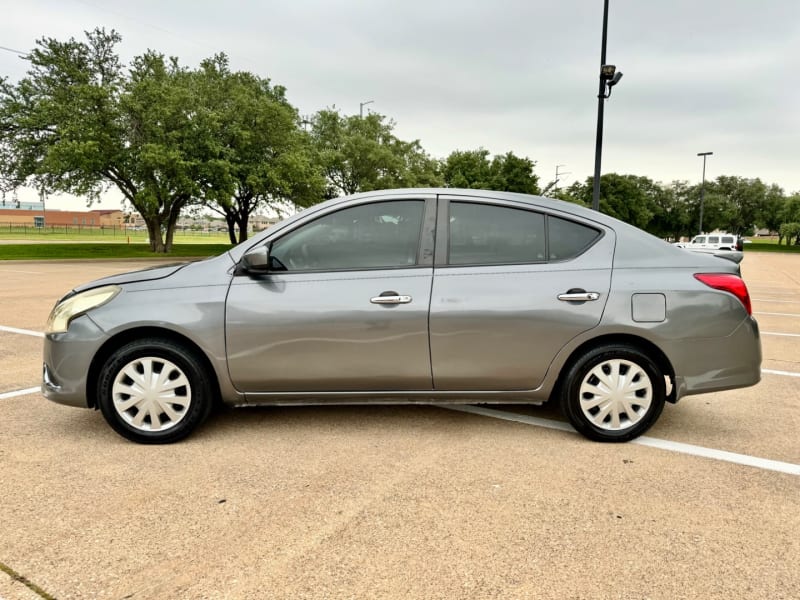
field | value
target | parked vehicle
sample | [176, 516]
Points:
[723, 245]
[713, 241]
[440, 295]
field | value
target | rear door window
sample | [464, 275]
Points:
[483, 234]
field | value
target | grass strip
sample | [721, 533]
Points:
[770, 247]
[92, 251]
[25, 581]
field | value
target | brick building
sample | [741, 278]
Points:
[33, 215]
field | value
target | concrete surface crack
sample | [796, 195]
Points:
[25, 581]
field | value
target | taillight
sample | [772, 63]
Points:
[727, 283]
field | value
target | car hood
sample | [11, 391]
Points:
[148, 274]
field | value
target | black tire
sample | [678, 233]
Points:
[186, 391]
[645, 398]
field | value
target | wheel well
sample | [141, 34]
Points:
[649, 348]
[122, 338]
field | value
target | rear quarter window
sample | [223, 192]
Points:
[568, 239]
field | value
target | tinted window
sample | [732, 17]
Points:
[370, 236]
[727, 240]
[713, 239]
[568, 239]
[482, 234]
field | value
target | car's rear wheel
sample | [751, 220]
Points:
[613, 393]
[154, 391]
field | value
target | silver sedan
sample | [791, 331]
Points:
[433, 295]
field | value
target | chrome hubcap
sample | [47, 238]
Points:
[616, 395]
[151, 394]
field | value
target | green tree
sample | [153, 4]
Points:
[362, 154]
[629, 198]
[771, 213]
[472, 169]
[161, 169]
[789, 214]
[791, 233]
[575, 193]
[78, 123]
[746, 198]
[256, 153]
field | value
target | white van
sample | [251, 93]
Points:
[712, 241]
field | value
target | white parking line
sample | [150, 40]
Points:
[777, 314]
[786, 373]
[21, 331]
[781, 334]
[16, 393]
[732, 457]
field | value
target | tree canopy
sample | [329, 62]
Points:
[78, 123]
[472, 169]
[360, 154]
[253, 144]
[169, 137]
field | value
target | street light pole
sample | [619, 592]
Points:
[44, 210]
[361, 106]
[601, 97]
[703, 187]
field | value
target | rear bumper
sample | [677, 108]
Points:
[713, 364]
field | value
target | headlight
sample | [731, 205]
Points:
[68, 309]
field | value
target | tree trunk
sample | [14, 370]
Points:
[154, 233]
[175, 210]
[230, 219]
[244, 218]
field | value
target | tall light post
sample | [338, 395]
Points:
[44, 210]
[361, 106]
[609, 77]
[703, 187]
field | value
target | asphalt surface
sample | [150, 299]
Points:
[397, 502]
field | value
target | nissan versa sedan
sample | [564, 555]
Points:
[411, 296]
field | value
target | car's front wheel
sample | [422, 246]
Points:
[613, 393]
[154, 391]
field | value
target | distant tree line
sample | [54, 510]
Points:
[171, 138]
[734, 204]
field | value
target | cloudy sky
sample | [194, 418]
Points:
[519, 75]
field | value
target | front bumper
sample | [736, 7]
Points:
[67, 358]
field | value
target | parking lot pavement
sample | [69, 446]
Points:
[20, 361]
[395, 501]
[31, 288]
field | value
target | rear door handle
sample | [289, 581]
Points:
[390, 298]
[578, 296]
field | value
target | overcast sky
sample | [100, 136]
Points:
[519, 75]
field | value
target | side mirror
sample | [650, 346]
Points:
[256, 260]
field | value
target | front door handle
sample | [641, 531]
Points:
[390, 298]
[578, 296]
